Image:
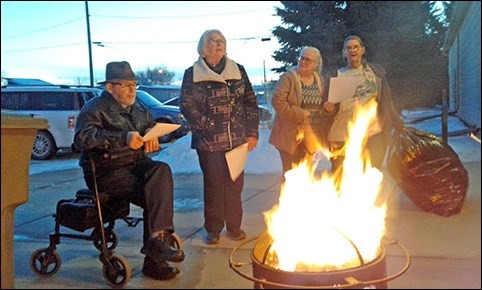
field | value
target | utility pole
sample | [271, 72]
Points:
[264, 71]
[91, 70]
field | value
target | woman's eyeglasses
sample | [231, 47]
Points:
[218, 41]
[353, 48]
[305, 59]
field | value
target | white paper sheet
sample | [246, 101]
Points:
[236, 160]
[160, 129]
[342, 88]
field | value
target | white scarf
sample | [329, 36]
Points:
[202, 72]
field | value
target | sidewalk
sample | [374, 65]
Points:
[445, 252]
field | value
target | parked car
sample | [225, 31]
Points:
[164, 114]
[161, 92]
[60, 105]
[265, 113]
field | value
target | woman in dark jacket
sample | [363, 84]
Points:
[221, 108]
[372, 85]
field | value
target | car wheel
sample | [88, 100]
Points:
[43, 146]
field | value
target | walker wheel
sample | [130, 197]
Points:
[111, 239]
[117, 271]
[45, 262]
[176, 241]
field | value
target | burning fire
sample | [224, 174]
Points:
[318, 226]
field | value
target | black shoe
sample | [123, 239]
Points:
[236, 235]
[162, 247]
[158, 269]
[212, 238]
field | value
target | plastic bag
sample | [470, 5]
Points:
[428, 171]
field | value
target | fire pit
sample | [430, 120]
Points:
[338, 220]
[368, 275]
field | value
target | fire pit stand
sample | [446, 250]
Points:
[371, 275]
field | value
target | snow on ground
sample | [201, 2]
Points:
[264, 159]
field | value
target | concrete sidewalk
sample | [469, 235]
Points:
[445, 252]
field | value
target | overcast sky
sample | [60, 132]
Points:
[48, 40]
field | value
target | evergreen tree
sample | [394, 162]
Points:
[406, 37]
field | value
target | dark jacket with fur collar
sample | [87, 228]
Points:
[221, 109]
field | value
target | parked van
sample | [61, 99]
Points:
[60, 105]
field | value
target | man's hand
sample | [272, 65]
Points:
[152, 145]
[252, 142]
[135, 141]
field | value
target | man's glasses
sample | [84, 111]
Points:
[305, 59]
[125, 85]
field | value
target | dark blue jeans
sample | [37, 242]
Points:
[222, 196]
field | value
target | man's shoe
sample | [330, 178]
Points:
[162, 247]
[212, 238]
[158, 269]
[236, 235]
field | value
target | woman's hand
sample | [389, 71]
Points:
[328, 107]
[252, 142]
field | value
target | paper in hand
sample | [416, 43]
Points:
[160, 129]
[342, 88]
[236, 160]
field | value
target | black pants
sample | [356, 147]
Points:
[222, 196]
[288, 160]
[148, 184]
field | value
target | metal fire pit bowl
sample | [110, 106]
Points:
[372, 275]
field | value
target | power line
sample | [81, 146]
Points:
[130, 17]
[179, 16]
[104, 43]
[43, 47]
[42, 29]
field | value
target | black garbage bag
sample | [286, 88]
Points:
[428, 171]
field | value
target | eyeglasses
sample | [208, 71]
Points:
[218, 41]
[305, 59]
[125, 85]
[353, 48]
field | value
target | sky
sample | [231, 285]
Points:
[264, 159]
[48, 40]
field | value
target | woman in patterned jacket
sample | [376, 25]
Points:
[221, 108]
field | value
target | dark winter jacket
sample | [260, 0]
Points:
[101, 132]
[221, 109]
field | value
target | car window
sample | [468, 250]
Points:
[172, 102]
[10, 101]
[147, 99]
[41, 101]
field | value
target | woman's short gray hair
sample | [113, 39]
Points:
[318, 60]
[205, 37]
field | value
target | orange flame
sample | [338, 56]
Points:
[319, 226]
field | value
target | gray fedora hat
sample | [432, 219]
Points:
[118, 71]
